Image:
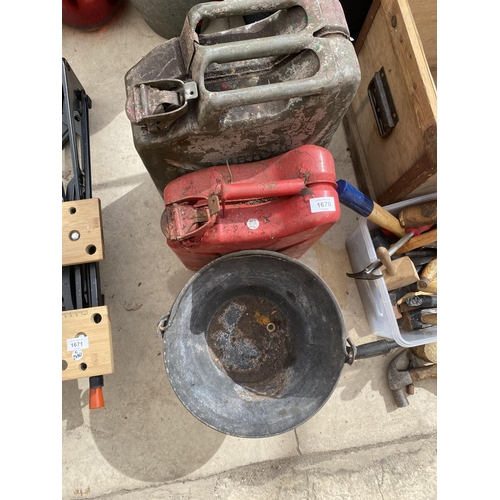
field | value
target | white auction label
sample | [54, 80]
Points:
[325, 204]
[252, 223]
[77, 355]
[77, 343]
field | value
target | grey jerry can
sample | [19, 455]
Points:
[244, 94]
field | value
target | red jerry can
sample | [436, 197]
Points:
[284, 204]
[89, 15]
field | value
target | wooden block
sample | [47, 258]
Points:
[86, 338]
[406, 274]
[82, 239]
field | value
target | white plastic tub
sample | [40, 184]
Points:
[374, 294]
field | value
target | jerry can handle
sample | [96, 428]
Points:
[228, 8]
[257, 190]
[214, 10]
[211, 105]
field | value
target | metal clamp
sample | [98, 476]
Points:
[159, 103]
[185, 218]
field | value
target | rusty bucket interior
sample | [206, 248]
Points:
[255, 344]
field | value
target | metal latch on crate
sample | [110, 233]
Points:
[382, 103]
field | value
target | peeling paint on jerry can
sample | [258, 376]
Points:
[244, 94]
[284, 204]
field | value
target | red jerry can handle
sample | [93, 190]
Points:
[180, 219]
[256, 190]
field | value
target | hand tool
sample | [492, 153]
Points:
[379, 238]
[420, 240]
[404, 274]
[418, 319]
[384, 257]
[354, 199]
[419, 215]
[428, 277]
[367, 273]
[399, 380]
[365, 206]
[396, 295]
[422, 256]
[416, 300]
[426, 352]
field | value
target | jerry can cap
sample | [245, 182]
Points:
[161, 101]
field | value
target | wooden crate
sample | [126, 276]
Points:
[400, 37]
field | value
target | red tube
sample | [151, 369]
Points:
[96, 399]
[253, 190]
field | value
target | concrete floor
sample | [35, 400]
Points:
[144, 444]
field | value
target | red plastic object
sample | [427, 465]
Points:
[418, 230]
[89, 15]
[96, 399]
[284, 204]
[415, 230]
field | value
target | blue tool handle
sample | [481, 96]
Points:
[354, 199]
[366, 207]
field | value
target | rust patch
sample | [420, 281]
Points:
[82, 492]
[250, 341]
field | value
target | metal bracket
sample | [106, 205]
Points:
[162, 325]
[382, 103]
[80, 283]
[351, 351]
